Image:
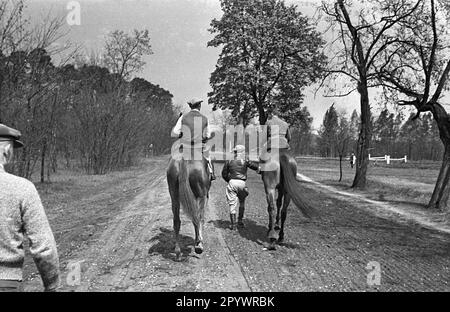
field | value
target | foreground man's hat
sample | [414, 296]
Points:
[10, 134]
[194, 101]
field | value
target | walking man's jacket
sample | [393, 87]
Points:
[22, 213]
[237, 169]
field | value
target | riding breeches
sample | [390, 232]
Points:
[236, 193]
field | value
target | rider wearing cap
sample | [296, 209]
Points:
[235, 174]
[194, 131]
[278, 137]
[22, 213]
[278, 132]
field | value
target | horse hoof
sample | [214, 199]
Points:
[178, 253]
[272, 245]
[199, 249]
[273, 236]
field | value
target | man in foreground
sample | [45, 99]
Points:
[22, 213]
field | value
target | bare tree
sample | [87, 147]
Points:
[362, 37]
[416, 73]
[124, 52]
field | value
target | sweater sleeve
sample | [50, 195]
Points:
[42, 241]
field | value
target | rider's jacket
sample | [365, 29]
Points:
[193, 130]
[237, 169]
[278, 138]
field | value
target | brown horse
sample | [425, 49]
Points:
[189, 183]
[279, 173]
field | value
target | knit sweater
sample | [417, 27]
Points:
[22, 213]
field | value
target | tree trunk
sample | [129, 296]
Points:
[441, 189]
[43, 153]
[439, 199]
[362, 152]
[340, 167]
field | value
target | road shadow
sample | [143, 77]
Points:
[164, 245]
[252, 231]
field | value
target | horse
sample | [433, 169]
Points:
[280, 173]
[189, 183]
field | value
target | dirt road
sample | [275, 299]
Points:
[134, 249]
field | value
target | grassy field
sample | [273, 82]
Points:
[412, 182]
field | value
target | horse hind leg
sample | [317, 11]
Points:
[198, 225]
[279, 204]
[286, 202]
[176, 226]
[175, 197]
[272, 233]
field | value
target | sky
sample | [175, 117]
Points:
[181, 63]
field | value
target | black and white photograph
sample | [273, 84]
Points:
[237, 149]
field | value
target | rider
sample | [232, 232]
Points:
[193, 122]
[282, 137]
[278, 136]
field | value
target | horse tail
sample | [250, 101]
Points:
[187, 197]
[289, 173]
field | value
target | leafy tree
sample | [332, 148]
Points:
[342, 139]
[328, 133]
[302, 136]
[385, 132]
[270, 53]
[354, 129]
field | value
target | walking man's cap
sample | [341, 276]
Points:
[239, 149]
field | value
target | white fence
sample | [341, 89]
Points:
[387, 159]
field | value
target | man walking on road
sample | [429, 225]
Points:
[22, 213]
[235, 174]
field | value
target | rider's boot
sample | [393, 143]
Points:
[233, 221]
[241, 216]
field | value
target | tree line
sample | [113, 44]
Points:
[85, 112]
[394, 134]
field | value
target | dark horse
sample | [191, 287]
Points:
[280, 173]
[189, 184]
